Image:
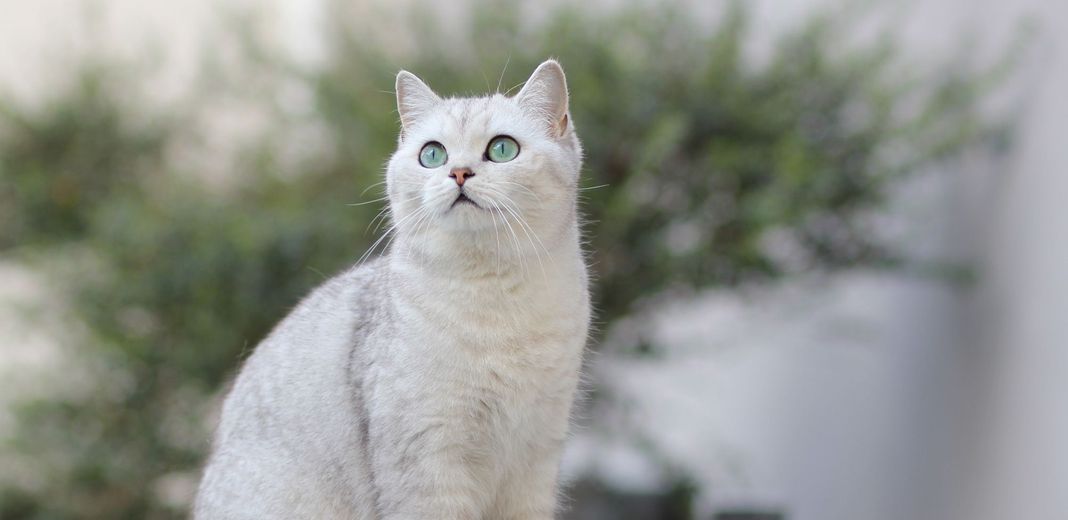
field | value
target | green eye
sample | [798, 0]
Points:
[502, 149]
[432, 155]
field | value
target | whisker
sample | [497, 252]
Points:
[382, 212]
[372, 201]
[380, 217]
[515, 241]
[428, 217]
[497, 237]
[524, 188]
[373, 246]
[506, 92]
[525, 227]
[416, 227]
[392, 229]
[514, 210]
[367, 189]
[505, 69]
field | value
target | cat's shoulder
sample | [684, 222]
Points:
[334, 311]
[347, 297]
[357, 286]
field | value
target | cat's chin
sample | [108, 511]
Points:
[467, 215]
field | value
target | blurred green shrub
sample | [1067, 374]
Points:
[62, 159]
[696, 159]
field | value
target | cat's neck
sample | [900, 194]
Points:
[472, 297]
[462, 265]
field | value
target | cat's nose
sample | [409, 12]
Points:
[461, 175]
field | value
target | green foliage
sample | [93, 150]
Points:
[74, 153]
[696, 158]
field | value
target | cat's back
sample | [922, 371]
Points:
[292, 406]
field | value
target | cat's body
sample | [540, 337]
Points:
[437, 381]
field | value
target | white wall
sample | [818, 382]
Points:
[1023, 319]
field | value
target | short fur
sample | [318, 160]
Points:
[436, 381]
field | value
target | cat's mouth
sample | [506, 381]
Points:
[463, 199]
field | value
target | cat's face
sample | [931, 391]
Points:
[491, 172]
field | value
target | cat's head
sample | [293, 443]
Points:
[493, 173]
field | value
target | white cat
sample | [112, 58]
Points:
[437, 381]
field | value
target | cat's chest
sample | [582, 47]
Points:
[498, 392]
[499, 379]
[487, 352]
[494, 354]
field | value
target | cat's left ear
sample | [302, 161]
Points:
[414, 99]
[544, 96]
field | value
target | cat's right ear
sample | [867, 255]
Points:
[414, 99]
[544, 97]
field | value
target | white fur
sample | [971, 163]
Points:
[435, 382]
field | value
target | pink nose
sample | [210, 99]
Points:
[461, 175]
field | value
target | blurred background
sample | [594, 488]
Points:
[829, 238]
